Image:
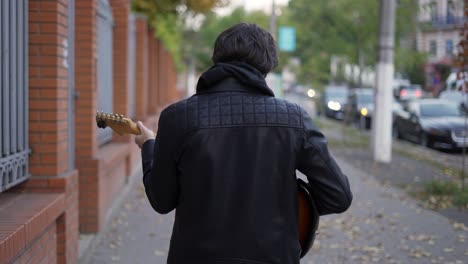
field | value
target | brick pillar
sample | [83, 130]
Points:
[153, 68]
[174, 93]
[86, 106]
[48, 117]
[160, 74]
[141, 68]
[103, 168]
[121, 12]
[166, 77]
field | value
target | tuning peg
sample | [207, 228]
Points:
[121, 116]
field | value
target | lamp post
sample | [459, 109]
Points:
[273, 19]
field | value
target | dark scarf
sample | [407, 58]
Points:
[245, 74]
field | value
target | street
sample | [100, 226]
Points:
[383, 225]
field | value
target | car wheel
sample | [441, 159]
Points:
[425, 140]
[396, 132]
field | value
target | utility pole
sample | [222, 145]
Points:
[462, 63]
[382, 120]
[273, 19]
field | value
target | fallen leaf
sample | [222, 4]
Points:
[159, 253]
[460, 226]
[448, 249]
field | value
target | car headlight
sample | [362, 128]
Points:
[334, 105]
[364, 111]
[311, 93]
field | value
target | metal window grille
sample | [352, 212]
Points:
[104, 61]
[131, 64]
[14, 147]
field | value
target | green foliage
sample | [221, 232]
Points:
[411, 64]
[345, 28]
[461, 198]
[167, 17]
[201, 43]
[441, 188]
[450, 190]
[169, 31]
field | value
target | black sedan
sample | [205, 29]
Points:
[333, 101]
[361, 106]
[432, 123]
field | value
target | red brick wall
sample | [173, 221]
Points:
[153, 76]
[141, 68]
[172, 92]
[48, 87]
[48, 119]
[120, 12]
[166, 77]
[85, 128]
[85, 78]
[43, 250]
[103, 169]
[160, 75]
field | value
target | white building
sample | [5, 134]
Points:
[440, 25]
[439, 31]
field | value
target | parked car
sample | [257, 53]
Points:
[333, 100]
[407, 92]
[361, 106]
[397, 107]
[455, 97]
[433, 123]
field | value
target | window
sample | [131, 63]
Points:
[433, 48]
[449, 47]
[14, 147]
[433, 8]
[450, 11]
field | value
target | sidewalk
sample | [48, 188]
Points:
[383, 225]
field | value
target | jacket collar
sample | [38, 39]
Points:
[233, 76]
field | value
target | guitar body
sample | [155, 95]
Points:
[308, 217]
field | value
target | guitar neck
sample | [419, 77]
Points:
[133, 129]
[120, 124]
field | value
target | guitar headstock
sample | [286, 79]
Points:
[120, 124]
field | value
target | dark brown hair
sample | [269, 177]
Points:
[246, 43]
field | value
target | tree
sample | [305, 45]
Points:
[344, 28]
[167, 18]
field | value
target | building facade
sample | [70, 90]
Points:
[62, 61]
[440, 23]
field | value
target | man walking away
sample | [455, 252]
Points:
[226, 159]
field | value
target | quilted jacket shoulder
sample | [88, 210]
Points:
[233, 109]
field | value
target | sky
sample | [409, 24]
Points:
[250, 5]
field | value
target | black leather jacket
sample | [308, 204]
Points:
[226, 160]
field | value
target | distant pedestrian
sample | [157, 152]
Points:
[226, 160]
[462, 82]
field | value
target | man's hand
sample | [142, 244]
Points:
[145, 135]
